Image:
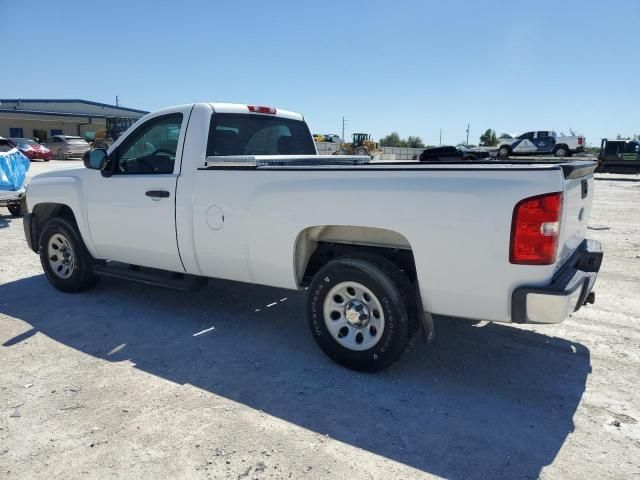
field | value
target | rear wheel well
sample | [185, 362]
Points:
[505, 147]
[327, 251]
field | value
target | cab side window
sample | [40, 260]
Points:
[526, 136]
[151, 148]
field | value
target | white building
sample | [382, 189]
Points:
[42, 118]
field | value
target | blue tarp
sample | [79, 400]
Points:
[13, 170]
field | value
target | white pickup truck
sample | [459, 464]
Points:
[237, 192]
[541, 142]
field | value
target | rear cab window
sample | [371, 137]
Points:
[249, 134]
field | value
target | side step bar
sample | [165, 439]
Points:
[151, 276]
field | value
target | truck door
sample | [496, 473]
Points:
[132, 211]
[524, 144]
[544, 142]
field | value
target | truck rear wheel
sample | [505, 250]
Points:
[64, 258]
[360, 311]
[561, 151]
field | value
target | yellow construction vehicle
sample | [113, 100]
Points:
[116, 126]
[361, 145]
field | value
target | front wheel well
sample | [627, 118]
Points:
[43, 212]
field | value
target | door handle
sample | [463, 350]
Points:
[157, 194]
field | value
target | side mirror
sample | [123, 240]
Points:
[95, 159]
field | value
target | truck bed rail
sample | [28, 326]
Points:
[284, 160]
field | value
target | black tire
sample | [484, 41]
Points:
[81, 276]
[15, 209]
[561, 151]
[504, 152]
[391, 289]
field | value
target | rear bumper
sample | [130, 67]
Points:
[569, 290]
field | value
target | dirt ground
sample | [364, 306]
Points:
[128, 381]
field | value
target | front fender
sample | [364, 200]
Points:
[48, 193]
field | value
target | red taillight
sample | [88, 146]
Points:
[580, 140]
[257, 109]
[535, 229]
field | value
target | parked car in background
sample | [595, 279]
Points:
[620, 156]
[65, 146]
[541, 142]
[32, 149]
[460, 153]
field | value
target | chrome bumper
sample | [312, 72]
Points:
[570, 288]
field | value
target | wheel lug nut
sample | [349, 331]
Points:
[363, 317]
[359, 307]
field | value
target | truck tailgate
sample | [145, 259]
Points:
[578, 199]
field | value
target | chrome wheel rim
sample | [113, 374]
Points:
[61, 256]
[354, 316]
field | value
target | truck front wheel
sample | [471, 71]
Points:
[64, 258]
[360, 311]
[504, 152]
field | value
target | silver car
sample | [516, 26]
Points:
[65, 146]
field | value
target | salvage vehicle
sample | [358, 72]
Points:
[238, 192]
[14, 166]
[541, 142]
[619, 156]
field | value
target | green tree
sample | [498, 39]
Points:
[414, 142]
[489, 138]
[394, 140]
[391, 140]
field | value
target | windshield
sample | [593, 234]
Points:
[76, 141]
[23, 142]
[5, 145]
[238, 134]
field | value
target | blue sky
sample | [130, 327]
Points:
[405, 65]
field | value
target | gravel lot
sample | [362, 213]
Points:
[129, 381]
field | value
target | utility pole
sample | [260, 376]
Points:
[117, 101]
[468, 126]
[344, 122]
[440, 137]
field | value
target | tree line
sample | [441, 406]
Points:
[394, 140]
[487, 139]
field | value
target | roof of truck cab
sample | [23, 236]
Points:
[243, 108]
